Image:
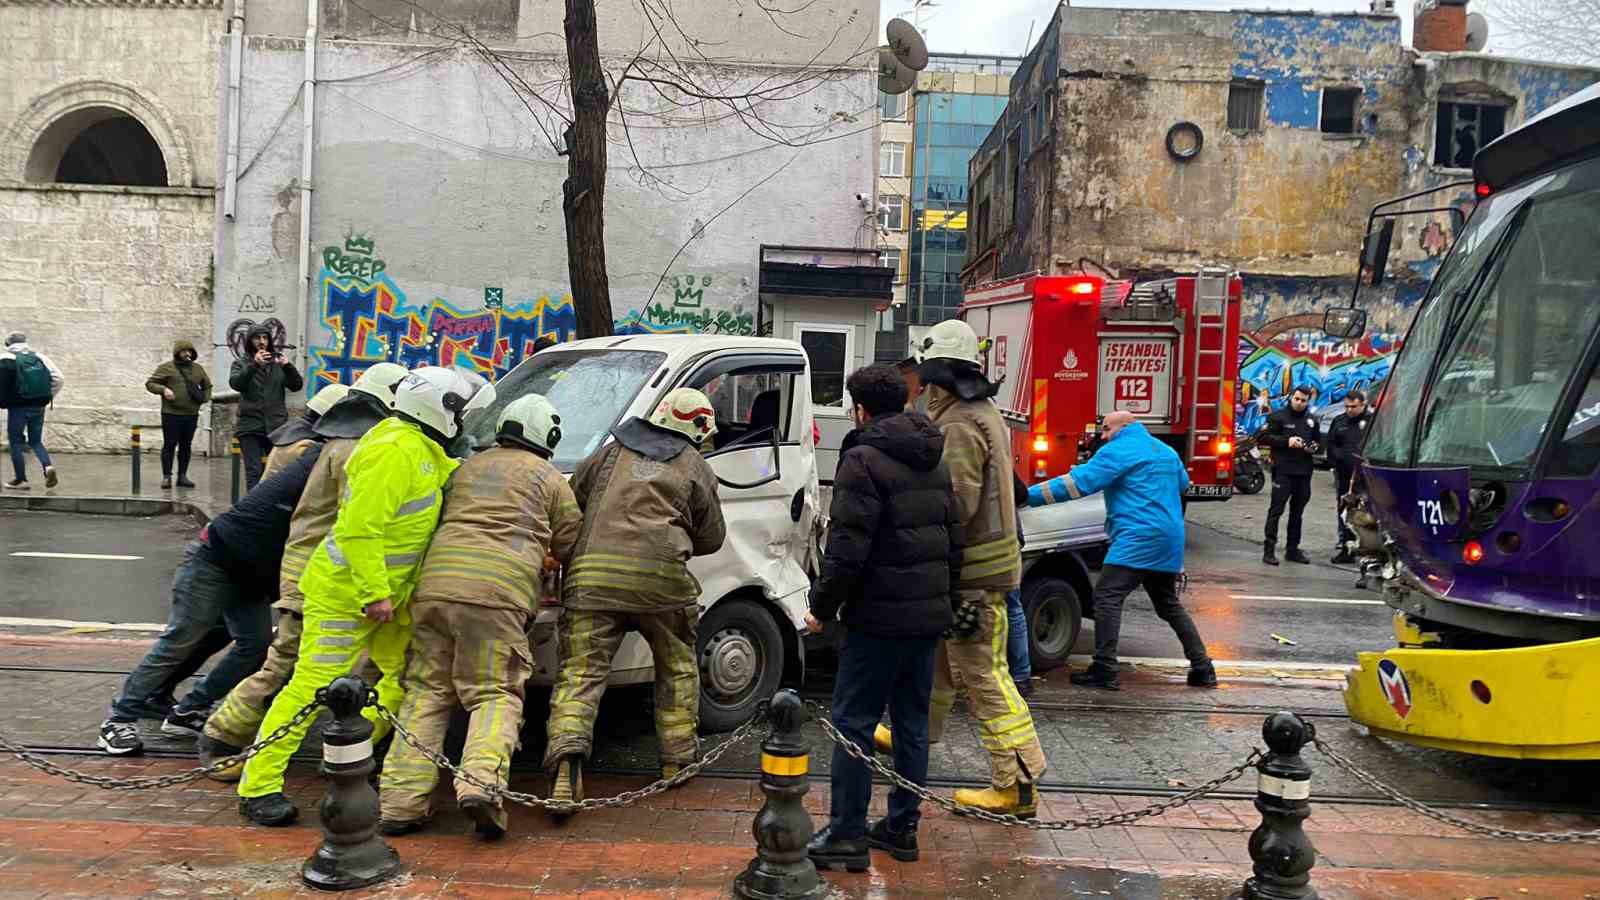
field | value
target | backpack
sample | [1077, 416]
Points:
[33, 378]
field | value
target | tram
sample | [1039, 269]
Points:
[1479, 514]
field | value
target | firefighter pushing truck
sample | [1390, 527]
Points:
[1067, 349]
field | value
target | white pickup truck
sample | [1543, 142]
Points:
[753, 590]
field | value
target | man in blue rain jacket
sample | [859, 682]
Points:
[1143, 480]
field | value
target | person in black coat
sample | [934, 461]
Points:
[1345, 435]
[1293, 434]
[263, 378]
[892, 561]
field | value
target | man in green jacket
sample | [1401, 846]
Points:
[183, 386]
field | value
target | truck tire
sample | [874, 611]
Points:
[741, 663]
[1055, 617]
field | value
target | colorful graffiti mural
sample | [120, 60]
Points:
[1275, 359]
[368, 319]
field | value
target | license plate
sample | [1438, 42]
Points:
[1209, 490]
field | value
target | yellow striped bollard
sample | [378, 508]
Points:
[781, 869]
[233, 451]
[133, 448]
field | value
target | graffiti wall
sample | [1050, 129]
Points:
[367, 318]
[1288, 353]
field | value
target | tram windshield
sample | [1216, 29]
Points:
[1505, 328]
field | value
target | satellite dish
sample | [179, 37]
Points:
[908, 45]
[893, 76]
[1477, 32]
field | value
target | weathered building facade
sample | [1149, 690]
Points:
[107, 162]
[434, 231]
[1154, 141]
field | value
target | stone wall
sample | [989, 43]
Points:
[103, 280]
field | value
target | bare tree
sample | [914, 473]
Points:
[583, 194]
[1562, 31]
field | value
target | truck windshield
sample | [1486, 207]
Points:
[591, 389]
[1502, 332]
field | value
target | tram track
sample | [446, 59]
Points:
[1116, 789]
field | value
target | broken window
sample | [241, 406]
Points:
[1245, 99]
[1463, 129]
[1339, 110]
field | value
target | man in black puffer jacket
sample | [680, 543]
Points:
[893, 558]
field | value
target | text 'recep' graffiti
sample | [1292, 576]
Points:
[368, 319]
[1272, 368]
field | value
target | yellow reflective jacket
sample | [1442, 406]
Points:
[977, 450]
[313, 518]
[504, 509]
[387, 513]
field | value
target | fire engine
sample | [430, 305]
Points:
[1067, 349]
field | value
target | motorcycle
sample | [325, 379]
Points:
[1249, 477]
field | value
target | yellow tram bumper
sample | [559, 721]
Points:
[1540, 702]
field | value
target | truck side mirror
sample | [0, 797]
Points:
[1375, 252]
[1344, 322]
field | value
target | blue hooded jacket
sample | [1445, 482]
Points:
[1143, 480]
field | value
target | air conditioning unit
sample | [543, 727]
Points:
[1383, 7]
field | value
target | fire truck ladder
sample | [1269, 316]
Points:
[1211, 332]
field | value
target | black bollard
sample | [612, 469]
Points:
[233, 451]
[352, 855]
[133, 445]
[1279, 848]
[781, 869]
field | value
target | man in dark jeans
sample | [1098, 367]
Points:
[1143, 480]
[1344, 443]
[262, 378]
[1293, 434]
[230, 574]
[893, 557]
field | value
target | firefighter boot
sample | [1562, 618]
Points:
[883, 739]
[212, 751]
[488, 819]
[566, 785]
[1017, 800]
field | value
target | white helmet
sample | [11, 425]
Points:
[380, 381]
[950, 339]
[326, 398]
[531, 421]
[435, 398]
[688, 412]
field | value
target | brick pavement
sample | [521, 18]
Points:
[62, 840]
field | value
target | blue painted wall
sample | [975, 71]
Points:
[1296, 54]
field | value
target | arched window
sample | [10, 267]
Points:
[97, 145]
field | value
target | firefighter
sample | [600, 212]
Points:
[1344, 446]
[237, 719]
[649, 504]
[359, 581]
[294, 437]
[1293, 434]
[505, 510]
[977, 449]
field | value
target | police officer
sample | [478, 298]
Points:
[1293, 434]
[504, 510]
[1344, 442]
[359, 581]
[649, 505]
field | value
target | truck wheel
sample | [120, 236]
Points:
[741, 663]
[1055, 616]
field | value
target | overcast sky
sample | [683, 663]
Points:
[1001, 26]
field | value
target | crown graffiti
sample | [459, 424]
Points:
[357, 243]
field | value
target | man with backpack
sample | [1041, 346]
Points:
[29, 381]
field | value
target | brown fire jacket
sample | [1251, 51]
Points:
[504, 509]
[649, 504]
[977, 450]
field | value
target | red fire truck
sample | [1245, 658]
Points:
[1067, 349]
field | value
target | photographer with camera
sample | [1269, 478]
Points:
[262, 377]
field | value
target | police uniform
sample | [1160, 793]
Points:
[1291, 472]
[1345, 435]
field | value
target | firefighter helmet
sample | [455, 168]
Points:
[688, 412]
[326, 398]
[531, 421]
[950, 339]
[435, 397]
[380, 381]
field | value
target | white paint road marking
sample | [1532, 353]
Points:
[44, 555]
[72, 623]
[1337, 600]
